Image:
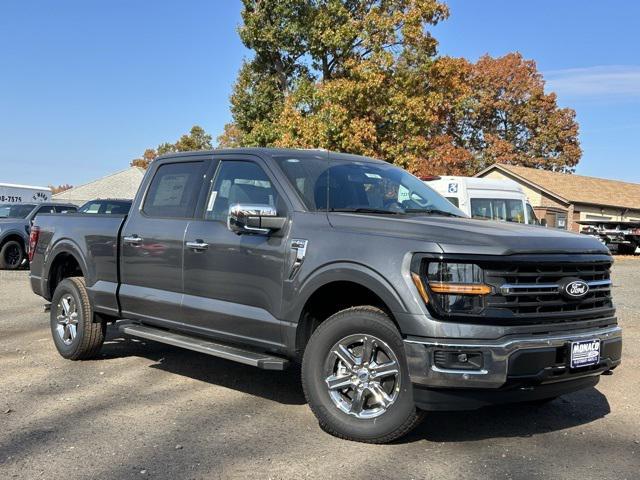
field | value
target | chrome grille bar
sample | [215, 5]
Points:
[543, 288]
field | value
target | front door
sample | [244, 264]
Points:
[152, 241]
[233, 283]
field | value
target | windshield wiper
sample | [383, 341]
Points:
[364, 210]
[431, 211]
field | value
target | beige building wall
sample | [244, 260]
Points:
[534, 196]
[594, 212]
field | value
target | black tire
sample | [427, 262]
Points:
[89, 334]
[398, 419]
[12, 255]
[625, 249]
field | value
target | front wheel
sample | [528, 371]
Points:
[75, 333]
[355, 377]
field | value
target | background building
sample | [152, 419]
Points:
[122, 184]
[564, 199]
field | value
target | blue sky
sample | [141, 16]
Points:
[85, 86]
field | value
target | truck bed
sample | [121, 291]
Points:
[94, 241]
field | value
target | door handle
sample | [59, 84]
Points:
[198, 245]
[133, 240]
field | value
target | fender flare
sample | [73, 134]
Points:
[63, 246]
[14, 232]
[347, 272]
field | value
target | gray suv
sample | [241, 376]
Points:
[15, 223]
[393, 301]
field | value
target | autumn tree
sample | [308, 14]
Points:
[196, 139]
[506, 117]
[59, 188]
[364, 77]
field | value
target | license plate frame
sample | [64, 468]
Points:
[584, 353]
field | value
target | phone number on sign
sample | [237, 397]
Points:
[8, 198]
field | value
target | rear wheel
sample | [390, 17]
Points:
[356, 380]
[11, 255]
[75, 333]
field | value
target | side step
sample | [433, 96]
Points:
[228, 352]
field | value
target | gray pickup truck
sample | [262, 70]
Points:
[15, 225]
[393, 301]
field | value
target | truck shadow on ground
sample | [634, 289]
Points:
[283, 387]
[515, 420]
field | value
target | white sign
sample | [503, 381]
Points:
[10, 193]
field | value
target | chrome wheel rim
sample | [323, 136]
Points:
[67, 319]
[362, 374]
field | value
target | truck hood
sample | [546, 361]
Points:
[471, 236]
[6, 223]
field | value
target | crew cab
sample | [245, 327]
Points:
[393, 301]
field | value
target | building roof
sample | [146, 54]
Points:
[15, 185]
[572, 188]
[123, 184]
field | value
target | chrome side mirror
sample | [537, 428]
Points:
[256, 219]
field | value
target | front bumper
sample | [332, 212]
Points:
[525, 361]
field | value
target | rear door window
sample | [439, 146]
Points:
[45, 209]
[173, 192]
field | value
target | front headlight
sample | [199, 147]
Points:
[455, 287]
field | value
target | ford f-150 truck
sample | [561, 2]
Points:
[393, 301]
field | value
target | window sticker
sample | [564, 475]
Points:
[170, 190]
[212, 201]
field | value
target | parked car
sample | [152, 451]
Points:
[108, 206]
[486, 198]
[15, 224]
[393, 300]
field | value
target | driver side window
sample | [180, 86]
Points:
[239, 182]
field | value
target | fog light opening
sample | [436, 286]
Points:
[457, 360]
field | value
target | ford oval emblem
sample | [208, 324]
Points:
[576, 289]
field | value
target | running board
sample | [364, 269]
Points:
[228, 352]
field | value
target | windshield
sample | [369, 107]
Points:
[12, 210]
[362, 187]
[498, 209]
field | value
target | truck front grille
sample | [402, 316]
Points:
[528, 290]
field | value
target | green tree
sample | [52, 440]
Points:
[363, 76]
[196, 139]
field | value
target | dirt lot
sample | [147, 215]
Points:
[160, 412]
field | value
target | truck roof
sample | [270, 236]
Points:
[269, 152]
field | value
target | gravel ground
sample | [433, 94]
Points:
[150, 410]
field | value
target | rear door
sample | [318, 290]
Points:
[152, 241]
[233, 283]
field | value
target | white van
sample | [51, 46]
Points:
[486, 198]
[11, 193]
